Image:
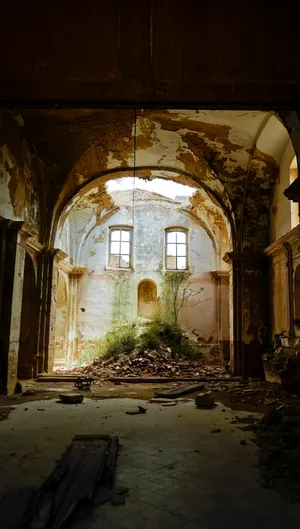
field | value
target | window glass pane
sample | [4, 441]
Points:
[114, 261]
[181, 263]
[171, 249]
[171, 236]
[181, 250]
[171, 262]
[125, 248]
[115, 248]
[115, 235]
[181, 236]
[124, 261]
[125, 235]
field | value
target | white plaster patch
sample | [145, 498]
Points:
[6, 207]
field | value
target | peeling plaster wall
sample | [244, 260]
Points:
[281, 233]
[107, 295]
[61, 316]
[280, 221]
[19, 173]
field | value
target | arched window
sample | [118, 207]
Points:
[176, 249]
[120, 247]
[294, 205]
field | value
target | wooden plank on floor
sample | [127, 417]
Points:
[57, 378]
[174, 393]
[157, 380]
[76, 478]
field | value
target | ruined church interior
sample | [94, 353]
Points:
[149, 270]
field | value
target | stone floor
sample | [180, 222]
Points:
[180, 474]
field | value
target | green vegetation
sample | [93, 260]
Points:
[93, 351]
[163, 332]
[159, 335]
[176, 293]
[121, 340]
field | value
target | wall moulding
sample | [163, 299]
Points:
[291, 238]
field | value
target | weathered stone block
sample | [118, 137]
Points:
[205, 400]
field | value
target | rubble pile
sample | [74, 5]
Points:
[278, 437]
[162, 363]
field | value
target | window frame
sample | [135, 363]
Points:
[120, 228]
[176, 230]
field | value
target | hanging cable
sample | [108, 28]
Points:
[133, 302]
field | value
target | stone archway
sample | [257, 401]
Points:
[147, 299]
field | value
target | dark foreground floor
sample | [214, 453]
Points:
[180, 474]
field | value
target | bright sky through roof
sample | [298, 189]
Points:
[167, 188]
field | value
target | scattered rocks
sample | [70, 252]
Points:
[205, 400]
[217, 430]
[272, 417]
[243, 442]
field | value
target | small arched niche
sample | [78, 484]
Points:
[297, 294]
[147, 299]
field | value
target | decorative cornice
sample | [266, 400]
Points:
[78, 271]
[219, 275]
[65, 267]
[58, 254]
[33, 245]
[291, 237]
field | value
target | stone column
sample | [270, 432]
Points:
[47, 281]
[13, 235]
[27, 365]
[235, 304]
[72, 345]
[222, 312]
[248, 313]
[290, 287]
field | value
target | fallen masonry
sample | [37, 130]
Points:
[154, 363]
[205, 400]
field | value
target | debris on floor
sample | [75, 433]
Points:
[84, 475]
[154, 363]
[71, 398]
[83, 383]
[277, 435]
[178, 391]
[136, 411]
[205, 400]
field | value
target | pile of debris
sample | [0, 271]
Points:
[278, 437]
[162, 363]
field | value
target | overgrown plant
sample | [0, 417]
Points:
[176, 293]
[121, 340]
[93, 351]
